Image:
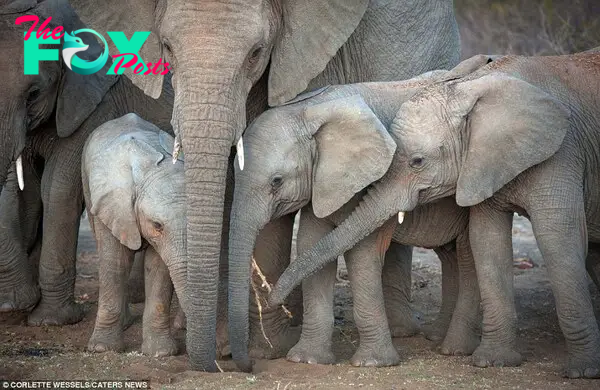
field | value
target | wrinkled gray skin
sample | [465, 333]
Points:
[135, 200]
[52, 114]
[220, 52]
[520, 135]
[20, 241]
[325, 149]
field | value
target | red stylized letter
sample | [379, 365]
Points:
[138, 69]
[28, 18]
[57, 32]
[167, 70]
[129, 63]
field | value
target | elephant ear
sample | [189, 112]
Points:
[112, 177]
[8, 7]
[354, 149]
[128, 16]
[78, 95]
[511, 126]
[312, 33]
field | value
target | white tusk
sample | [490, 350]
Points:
[240, 153]
[176, 150]
[401, 217]
[20, 172]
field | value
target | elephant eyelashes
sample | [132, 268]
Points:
[416, 162]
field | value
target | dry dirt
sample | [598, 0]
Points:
[59, 352]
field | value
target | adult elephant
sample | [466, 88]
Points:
[222, 52]
[53, 112]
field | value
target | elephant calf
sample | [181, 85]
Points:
[135, 200]
[324, 148]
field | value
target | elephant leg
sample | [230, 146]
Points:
[113, 306]
[62, 198]
[314, 345]
[18, 287]
[397, 283]
[490, 234]
[365, 263]
[447, 255]
[272, 254]
[158, 341]
[560, 230]
[463, 332]
[180, 321]
[135, 283]
[592, 263]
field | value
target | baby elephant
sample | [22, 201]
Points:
[135, 200]
[323, 149]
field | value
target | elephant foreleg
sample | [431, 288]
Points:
[158, 341]
[113, 306]
[18, 287]
[314, 345]
[397, 283]
[447, 255]
[463, 332]
[365, 263]
[62, 198]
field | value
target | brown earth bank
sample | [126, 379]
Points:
[54, 353]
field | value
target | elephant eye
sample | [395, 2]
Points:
[276, 182]
[255, 55]
[157, 226]
[416, 162]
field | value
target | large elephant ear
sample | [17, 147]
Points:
[112, 177]
[128, 16]
[312, 33]
[354, 149]
[78, 95]
[511, 126]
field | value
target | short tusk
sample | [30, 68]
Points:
[20, 172]
[401, 217]
[240, 153]
[176, 150]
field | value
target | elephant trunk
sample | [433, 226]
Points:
[372, 212]
[205, 119]
[242, 238]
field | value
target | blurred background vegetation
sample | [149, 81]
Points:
[528, 27]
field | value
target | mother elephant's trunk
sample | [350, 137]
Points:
[374, 210]
[206, 128]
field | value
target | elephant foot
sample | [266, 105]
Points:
[159, 345]
[378, 355]
[462, 345]
[496, 356]
[586, 368]
[281, 341]
[180, 321]
[53, 314]
[23, 297]
[311, 353]
[106, 340]
[404, 325]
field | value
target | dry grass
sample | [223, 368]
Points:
[528, 27]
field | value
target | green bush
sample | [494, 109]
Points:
[528, 27]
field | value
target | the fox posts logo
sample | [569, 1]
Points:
[128, 56]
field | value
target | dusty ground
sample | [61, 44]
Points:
[58, 352]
